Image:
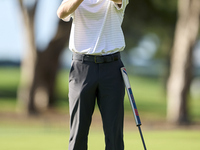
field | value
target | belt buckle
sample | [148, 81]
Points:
[98, 61]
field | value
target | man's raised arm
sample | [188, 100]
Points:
[68, 8]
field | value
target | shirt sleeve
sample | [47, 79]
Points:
[123, 6]
[68, 17]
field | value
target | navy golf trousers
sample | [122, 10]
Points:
[96, 79]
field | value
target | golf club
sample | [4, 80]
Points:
[132, 102]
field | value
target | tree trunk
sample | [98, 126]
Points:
[181, 61]
[30, 57]
[39, 68]
[42, 93]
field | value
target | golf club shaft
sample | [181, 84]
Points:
[142, 138]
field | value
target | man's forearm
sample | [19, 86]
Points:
[67, 8]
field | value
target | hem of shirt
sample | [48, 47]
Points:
[99, 54]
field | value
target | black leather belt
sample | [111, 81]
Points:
[97, 58]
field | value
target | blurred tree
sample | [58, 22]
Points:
[39, 67]
[166, 19]
[150, 16]
[181, 60]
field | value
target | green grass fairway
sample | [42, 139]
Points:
[57, 139]
[149, 93]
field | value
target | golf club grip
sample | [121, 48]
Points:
[130, 95]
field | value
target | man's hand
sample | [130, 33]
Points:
[68, 8]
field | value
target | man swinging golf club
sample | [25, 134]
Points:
[96, 41]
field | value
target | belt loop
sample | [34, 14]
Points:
[83, 58]
[73, 55]
[95, 59]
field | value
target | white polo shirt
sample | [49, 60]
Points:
[96, 27]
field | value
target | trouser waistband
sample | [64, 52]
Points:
[97, 58]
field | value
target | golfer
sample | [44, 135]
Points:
[96, 41]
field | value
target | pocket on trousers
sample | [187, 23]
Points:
[121, 63]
